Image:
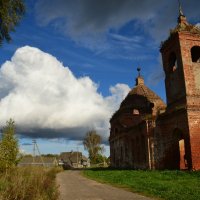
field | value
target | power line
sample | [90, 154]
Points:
[36, 148]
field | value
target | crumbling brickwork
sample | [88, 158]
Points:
[146, 137]
[183, 96]
[132, 128]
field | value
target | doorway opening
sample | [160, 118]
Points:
[180, 154]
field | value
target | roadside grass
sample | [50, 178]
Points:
[29, 183]
[168, 185]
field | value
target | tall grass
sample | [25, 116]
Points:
[29, 183]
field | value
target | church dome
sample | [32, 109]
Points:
[142, 100]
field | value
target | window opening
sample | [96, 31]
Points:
[195, 53]
[173, 65]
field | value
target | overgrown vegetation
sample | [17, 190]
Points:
[9, 148]
[29, 183]
[169, 185]
[22, 183]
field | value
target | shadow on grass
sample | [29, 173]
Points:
[161, 184]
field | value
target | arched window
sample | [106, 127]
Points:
[136, 112]
[195, 54]
[172, 62]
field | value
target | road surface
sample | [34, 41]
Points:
[73, 186]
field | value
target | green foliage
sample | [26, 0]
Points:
[29, 183]
[11, 12]
[99, 158]
[169, 185]
[9, 149]
[92, 143]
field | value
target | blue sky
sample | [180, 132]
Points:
[102, 43]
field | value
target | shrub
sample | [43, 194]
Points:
[9, 149]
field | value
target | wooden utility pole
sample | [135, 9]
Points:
[77, 157]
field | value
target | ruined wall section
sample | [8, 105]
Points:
[172, 127]
[194, 127]
[174, 73]
[130, 148]
[192, 78]
[191, 69]
[138, 146]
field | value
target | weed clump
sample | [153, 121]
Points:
[29, 183]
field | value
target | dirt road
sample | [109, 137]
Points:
[73, 186]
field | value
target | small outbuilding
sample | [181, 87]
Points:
[74, 159]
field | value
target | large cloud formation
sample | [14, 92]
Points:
[47, 100]
[88, 21]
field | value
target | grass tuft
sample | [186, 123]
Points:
[29, 183]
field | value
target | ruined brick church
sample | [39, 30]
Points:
[147, 134]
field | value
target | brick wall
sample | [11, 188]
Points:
[183, 93]
[194, 128]
[170, 129]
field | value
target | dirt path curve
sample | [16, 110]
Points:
[73, 186]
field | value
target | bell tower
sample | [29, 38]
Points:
[181, 60]
[181, 63]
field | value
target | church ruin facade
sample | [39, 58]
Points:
[147, 134]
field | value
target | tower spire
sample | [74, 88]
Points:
[182, 21]
[180, 9]
[139, 69]
[139, 80]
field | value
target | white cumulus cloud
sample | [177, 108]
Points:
[46, 100]
[118, 92]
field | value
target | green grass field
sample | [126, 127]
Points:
[170, 185]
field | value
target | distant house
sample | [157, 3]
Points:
[74, 159]
[38, 161]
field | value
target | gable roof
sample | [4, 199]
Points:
[72, 157]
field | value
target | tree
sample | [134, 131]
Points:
[9, 148]
[92, 143]
[11, 12]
